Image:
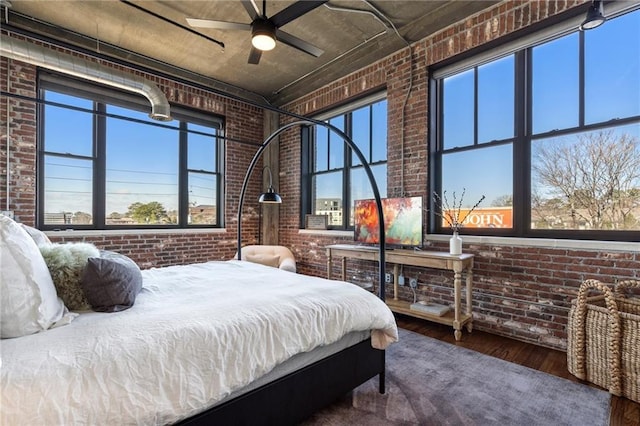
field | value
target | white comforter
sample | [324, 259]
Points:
[196, 333]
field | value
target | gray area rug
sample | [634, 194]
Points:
[430, 382]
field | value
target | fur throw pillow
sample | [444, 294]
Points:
[66, 263]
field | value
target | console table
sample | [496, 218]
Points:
[459, 264]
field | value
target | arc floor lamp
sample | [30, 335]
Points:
[363, 160]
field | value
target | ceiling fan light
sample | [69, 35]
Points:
[263, 34]
[263, 41]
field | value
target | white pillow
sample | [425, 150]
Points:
[29, 302]
[38, 236]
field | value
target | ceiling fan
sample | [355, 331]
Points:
[265, 31]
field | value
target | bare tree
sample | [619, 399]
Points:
[597, 176]
[505, 200]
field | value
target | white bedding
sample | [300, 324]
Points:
[196, 334]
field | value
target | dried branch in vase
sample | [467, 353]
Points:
[451, 213]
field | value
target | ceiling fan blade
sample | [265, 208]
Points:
[294, 11]
[251, 9]
[218, 25]
[254, 56]
[297, 43]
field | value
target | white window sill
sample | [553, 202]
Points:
[326, 232]
[542, 242]
[137, 231]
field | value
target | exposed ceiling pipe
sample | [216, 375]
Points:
[62, 62]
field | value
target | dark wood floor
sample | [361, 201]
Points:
[623, 411]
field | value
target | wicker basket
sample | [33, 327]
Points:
[604, 338]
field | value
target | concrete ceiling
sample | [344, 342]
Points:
[155, 34]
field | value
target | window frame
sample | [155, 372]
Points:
[522, 49]
[102, 96]
[308, 172]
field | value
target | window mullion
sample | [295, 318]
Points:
[475, 106]
[220, 150]
[581, 80]
[370, 159]
[435, 157]
[307, 148]
[183, 176]
[99, 166]
[40, 167]
[521, 200]
[346, 173]
[328, 167]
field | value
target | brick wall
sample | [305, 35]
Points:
[18, 154]
[521, 291]
[21, 156]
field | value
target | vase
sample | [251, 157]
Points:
[455, 244]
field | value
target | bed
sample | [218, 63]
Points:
[224, 342]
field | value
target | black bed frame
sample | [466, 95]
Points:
[296, 396]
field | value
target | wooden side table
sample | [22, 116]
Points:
[460, 265]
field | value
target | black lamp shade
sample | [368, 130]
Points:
[595, 16]
[270, 197]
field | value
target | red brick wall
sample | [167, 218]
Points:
[18, 153]
[21, 155]
[522, 291]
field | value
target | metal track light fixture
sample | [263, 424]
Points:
[595, 16]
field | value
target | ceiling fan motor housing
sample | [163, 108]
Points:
[265, 28]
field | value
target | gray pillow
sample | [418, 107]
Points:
[111, 282]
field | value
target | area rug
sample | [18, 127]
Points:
[430, 382]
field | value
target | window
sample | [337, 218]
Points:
[103, 163]
[333, 175]
[549, 132]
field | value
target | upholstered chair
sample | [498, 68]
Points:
[276, 256]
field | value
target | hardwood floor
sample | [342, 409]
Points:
[624, 412]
